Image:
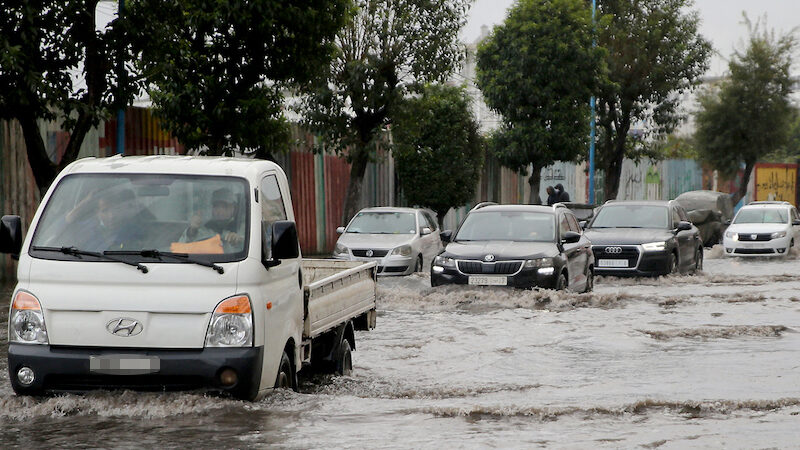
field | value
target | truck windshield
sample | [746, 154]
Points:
[632, 216]
[507, 226]
[205, 216]
[383, 223]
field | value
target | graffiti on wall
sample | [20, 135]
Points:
[775, 182]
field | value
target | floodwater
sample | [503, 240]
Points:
[702, 361]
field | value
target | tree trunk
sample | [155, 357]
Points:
[742, 191]
[612, 177]
[440, 213]
[533, 182]
[44, 171]
[358, 166]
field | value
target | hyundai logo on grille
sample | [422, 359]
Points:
[488, 258]
[124, 327]
[614, 250]
[369, 253]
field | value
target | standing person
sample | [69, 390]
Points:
[561, 194]
[551, 196]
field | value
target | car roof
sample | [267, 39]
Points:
[638, 202]
[770, 205]
[517, 208]
[391, 209]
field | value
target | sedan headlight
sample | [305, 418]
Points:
[444, 261]
[654, 246]
[732, 235]
[26, 322]
[340, 250]
[778, 235]
[538, 262]
[231, 324]
[403, 250]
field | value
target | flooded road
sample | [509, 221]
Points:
[684, 361]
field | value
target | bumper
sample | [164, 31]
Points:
[524, 279]
[774, 247]
[650, 264]
[67, 369]
[390, 265]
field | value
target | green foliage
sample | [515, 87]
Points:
[217, 71]
[790, 152]
[438, 151]
[654, 54]
[43, 44]
[388, 46]
[674, 147]
[749, 115]
[538, 71]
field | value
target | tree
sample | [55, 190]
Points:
[750, 115]
[217, 71]
[43, 45]
[655, 54]
[538, 70]
[387, 46]
[437, 149]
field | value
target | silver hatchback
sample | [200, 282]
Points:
[400, 240]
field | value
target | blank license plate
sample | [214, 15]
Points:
[612, 263]
[124, 364]
[488, 281]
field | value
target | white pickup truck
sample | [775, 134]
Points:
[164, 273]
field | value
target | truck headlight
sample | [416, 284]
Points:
[231, 324]
[444, 261]
[26, 322]
[778, 235]
[538, 262]
[340, 250]
[403, 250]
[732, 235]
[654, 246]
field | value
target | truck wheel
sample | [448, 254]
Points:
[284, 378]
[344, 359]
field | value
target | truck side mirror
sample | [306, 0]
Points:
[279, 242]
[11, 235]
[446, 235]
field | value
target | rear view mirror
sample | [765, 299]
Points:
[339, 230]
[11, 235]
[279, 242]
[446, 235]
[583, 224]
[684, 226]
[570, 237]
[796, 222]
[425, 231]
[727, 222]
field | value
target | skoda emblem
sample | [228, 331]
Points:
[614, 250]
[753, 237]
[369, 253]
[124, 327]
[489, 258]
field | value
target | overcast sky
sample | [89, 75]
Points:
[720, 21]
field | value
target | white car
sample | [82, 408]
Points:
[762, 229]
[400, 240]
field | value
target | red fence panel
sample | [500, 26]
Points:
[304, 200]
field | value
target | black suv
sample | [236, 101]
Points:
[644, 238]
[521, 246]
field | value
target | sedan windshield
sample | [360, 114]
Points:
[383, 223]
[762, 215]
[131, 213]
[632, 216]
[507, 226]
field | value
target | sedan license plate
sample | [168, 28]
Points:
[124, 364]
[488, 281]
[612, 263]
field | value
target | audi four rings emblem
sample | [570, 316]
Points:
[488, 258]
[369, 253]
[614, 250]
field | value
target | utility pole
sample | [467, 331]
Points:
[120, 91]
[592, 133]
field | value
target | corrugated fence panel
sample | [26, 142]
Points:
[304, 200]
[337, 175]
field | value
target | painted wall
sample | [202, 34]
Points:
[775, 182]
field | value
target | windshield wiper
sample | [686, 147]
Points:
[153, 253]
[73, 251]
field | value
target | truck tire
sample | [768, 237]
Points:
[285, 377]
[344, 359]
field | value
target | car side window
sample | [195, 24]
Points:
[794, 214]
[682, 214]
[430, 222]
[573, 223]
[676, 217]
[563, 225]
